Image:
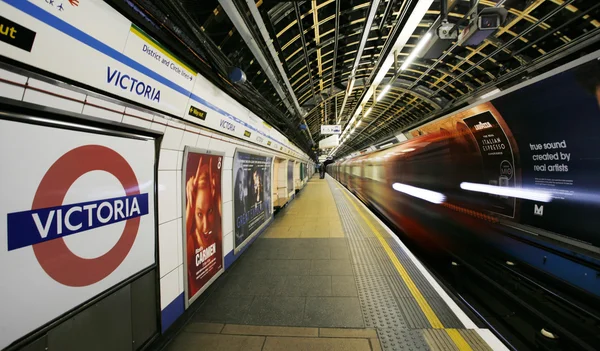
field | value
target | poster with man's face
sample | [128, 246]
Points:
[202, 219]
[251, 194]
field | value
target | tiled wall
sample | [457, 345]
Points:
[176, 136]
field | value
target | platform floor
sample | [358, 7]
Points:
[327, 275]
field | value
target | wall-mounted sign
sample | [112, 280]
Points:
[329, 142]
[331, 129]
[196, 112]
[247, 133]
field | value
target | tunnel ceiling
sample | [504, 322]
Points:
[318, 60]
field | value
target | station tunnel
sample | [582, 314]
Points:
[299, 175]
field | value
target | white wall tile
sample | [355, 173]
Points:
[180, 280]
[116, 113]
[134, 121]
[167, 198]
[222, 146]
[189, 139]
[172, 138]
[159, 126]
[227, 243]
[180, 160]
[169, 288]
[228, 163]
[167, 160]
[9, 90]
[203, 142]
[167, 247]
[179, 195]
[179, 241]
[138, 118]
[227, 185]
[139, 113]
[41, 98]
[227, 216]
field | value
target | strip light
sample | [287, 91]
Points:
[506, 191]
[368, 111]
[489, 94]
[383, 92]
[413, 55]
[427, 195]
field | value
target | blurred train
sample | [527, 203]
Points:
[509, 190]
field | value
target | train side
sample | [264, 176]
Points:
[509, 180]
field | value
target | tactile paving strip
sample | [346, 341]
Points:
[386, 302]
[474, 340]
[402, 340]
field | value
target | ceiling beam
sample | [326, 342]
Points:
[267, 39]
[335, 49]
[303, 39]
[318, 42]
[363, 41]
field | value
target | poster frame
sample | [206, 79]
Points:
[189, 301]
[240, 248]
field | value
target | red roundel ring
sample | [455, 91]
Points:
[60, 263]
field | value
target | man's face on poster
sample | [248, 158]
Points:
[204, 211]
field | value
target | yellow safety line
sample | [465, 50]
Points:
[456, 337]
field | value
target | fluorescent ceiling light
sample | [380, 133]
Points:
[489, 94]
[520, 193]
[368, 111]
[413, 55]
[358, 123]
[383, 92]
[409, 149]
[427, 195]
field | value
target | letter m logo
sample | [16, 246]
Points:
[538, 210]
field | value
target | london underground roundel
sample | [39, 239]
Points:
[50, 220]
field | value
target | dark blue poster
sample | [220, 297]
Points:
[251, 194]
[556, 125]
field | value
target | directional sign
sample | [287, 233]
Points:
[331, 129]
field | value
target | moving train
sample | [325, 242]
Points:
[509, 190]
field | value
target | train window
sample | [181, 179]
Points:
[378, 173]
[369, 171]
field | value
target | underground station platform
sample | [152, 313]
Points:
[329, 275]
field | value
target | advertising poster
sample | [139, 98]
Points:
[556, 124]
[497, 160]
[77, 217]
[290, 176]
[203, 235]
[251, 194]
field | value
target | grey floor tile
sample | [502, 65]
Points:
[343, 285]
[342, 312]
[338, 242]
[216, 342]
[289, 267]
[252, 267]
[306, 286]
[340, 253]
[312, 253]
[224, 309]
[331, 267]
[276, 310]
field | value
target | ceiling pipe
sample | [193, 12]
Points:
[267, 39]
[361, 47]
